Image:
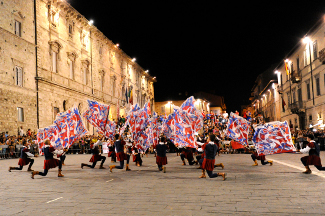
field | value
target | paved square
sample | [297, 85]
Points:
[280, 189]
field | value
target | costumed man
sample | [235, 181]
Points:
[120, 155]
[209, 158]
[111, 151]
[262, 158]
[312, 149]
[161, 158]
[96, 156]
[49, 161]
[188, 154]
[24, 158]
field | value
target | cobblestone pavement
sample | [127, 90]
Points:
[281, 189]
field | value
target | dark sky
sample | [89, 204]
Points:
[203, 45]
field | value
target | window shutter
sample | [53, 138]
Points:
[19, 76]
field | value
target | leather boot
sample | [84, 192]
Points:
[60, 174]
[270, 162]
[184, 162]
[203, 174]
[82, 165]
[127, 168]
[255, 163]
[101, 167]
[164, 169]
[223, 175]
[34, 173]
[29, 170]
[10, 168]
[308, 171]
[220, 165]
[111, 167]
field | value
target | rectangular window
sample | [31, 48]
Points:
[317, 86]
[85, 76]
[315, 50]
[20, 114]
[17, 28]
[19, 76]
[70, 29]
[56, 110]
[308, 90]
[71, 69]
[54, 61]
[298, 69]
[294, 96]
[305, 58]
[163, 110]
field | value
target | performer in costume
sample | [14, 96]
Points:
[24, 158]
[111, 151]
[262, 158]
[49, 161]
[161, 158]
[96, 156]
[209, 158]
[312, 149]
[188, 154]
[120, 155]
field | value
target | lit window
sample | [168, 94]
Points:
[19, 76]
[17, 28]
[20, 114]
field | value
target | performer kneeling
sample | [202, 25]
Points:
[49, 161]
[188, 154]
[161, 158]
[96, 156]
[24, 158]
[120, 155]
[313, 158]
[255, 157]
[209, 158]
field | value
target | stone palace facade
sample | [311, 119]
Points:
[52, 58]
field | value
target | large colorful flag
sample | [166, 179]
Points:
[238, 129]
[67, 128]
[181, 125]
[273, 138]
[98, 116]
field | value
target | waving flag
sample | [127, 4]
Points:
[67, 128]
[238, 129]
[181, 125]
[273, 138]
[97, 115]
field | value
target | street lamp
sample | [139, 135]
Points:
[308, 41]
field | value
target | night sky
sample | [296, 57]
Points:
[203, 45]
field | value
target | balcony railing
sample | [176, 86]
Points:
[297, 107]
[322, 56]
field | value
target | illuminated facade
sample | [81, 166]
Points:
[54, 59]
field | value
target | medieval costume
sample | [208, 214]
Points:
[49, 161]
[96, 157]
[312, 149]
[24, 159]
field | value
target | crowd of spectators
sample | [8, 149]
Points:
[10, 144]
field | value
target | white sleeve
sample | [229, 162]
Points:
[29, 154]
[97, 143]
[58, 152]
[305, 150]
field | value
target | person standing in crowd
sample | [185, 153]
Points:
[161, 158]
[49, 161]
[24, 158]
[312, 149]
[209, 159]
[96, 156]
